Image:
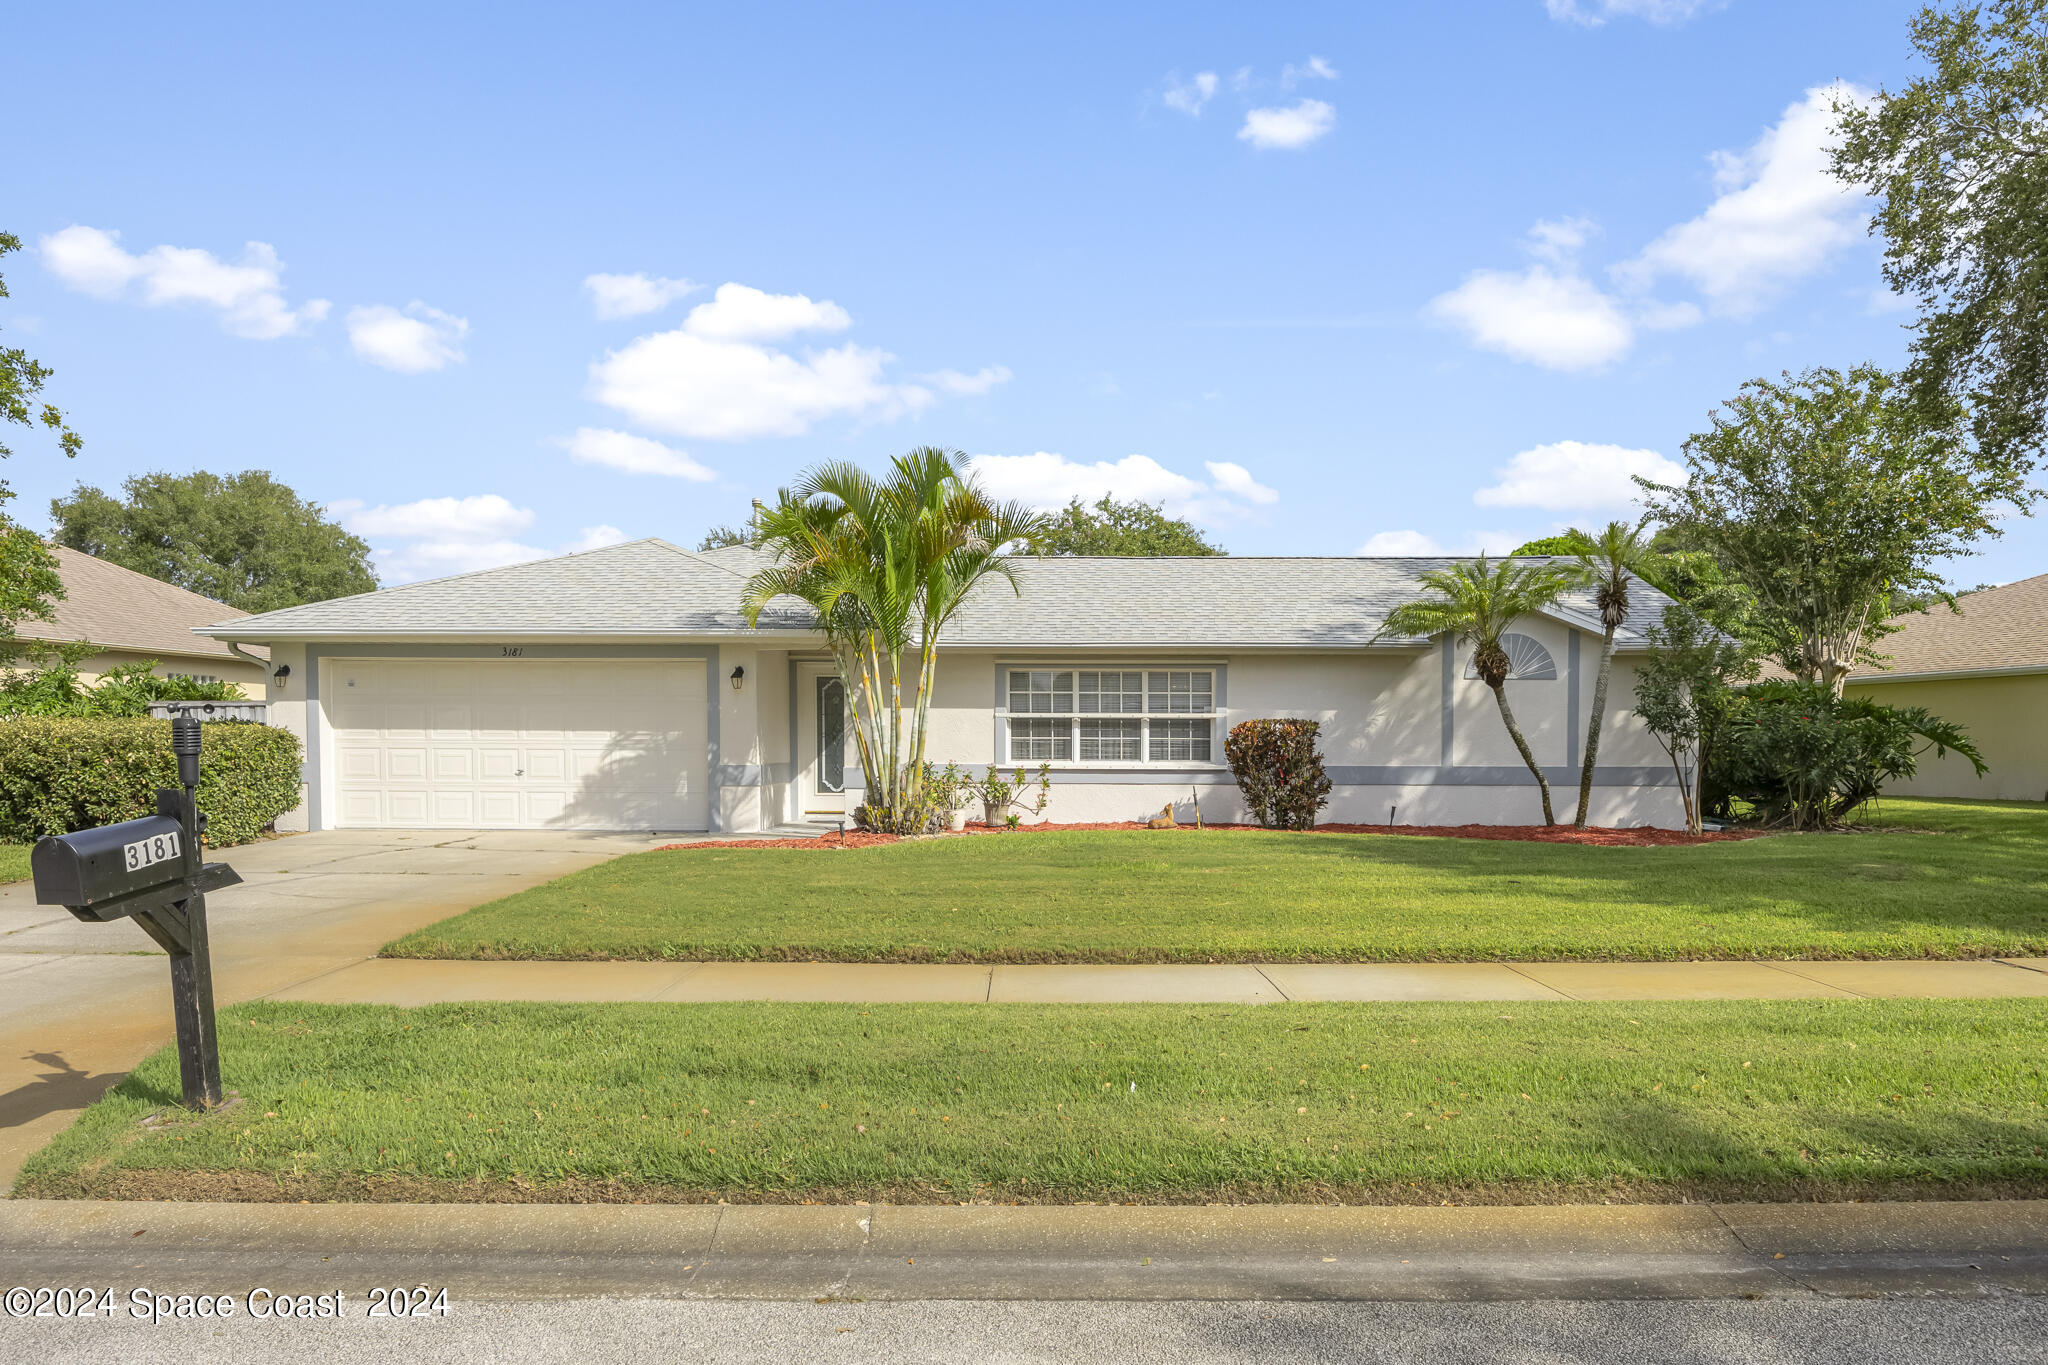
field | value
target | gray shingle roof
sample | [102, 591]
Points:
[651, 587]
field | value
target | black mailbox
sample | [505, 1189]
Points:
[151, 869]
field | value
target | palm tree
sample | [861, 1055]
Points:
[885, 563]
[1477, 602]
[1609, 560]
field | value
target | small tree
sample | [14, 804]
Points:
[1683, 694]
[1279, 771]
[1476, 603]
[1825, 494]
[1612, 560]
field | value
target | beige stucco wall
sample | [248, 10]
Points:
[246, 676]
[2006, 717]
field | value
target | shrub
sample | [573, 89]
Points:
[1806, 758]
[57, 690]
[65, 773]
[1279, 771]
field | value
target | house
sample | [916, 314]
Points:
[1984, 667]
[133, 618]
[620, 688]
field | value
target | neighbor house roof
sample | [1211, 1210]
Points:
[1993, 630]
[116, 608]
[650, 587]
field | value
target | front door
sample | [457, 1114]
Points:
[822, 744]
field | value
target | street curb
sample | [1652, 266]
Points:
[1081, 1252]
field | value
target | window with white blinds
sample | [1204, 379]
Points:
[1121, 716]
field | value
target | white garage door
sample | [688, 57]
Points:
[519, 743]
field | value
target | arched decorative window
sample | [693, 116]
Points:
[1528, 660]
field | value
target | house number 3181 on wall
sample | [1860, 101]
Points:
[511, 651]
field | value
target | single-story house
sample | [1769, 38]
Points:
[1984, 667]
[622, 689]
[132, 618]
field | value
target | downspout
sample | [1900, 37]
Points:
[262, 665]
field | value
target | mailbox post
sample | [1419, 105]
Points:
[152, 870]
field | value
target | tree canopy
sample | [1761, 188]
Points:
[28, 571]
[243, 539]
[1825, 494]
[1959, 162]
[1110, 527]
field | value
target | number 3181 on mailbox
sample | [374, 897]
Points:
[154, 849]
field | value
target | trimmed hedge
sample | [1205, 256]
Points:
[64, 773]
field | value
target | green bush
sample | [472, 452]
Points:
[1801, 756]
[65, 773]
[1279, 771]
[57, 690]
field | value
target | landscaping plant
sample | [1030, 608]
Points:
[1804, 757]
[64, 773]
[1611, 560]
[1476, 603]
[1684, 693]
[883, 564]
[1002, 798]
[55, 689]
[1279, 771]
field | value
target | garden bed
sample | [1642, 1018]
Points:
[1638, 837]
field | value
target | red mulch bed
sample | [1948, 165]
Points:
[1534, 834]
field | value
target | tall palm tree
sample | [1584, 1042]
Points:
[885, 563]
[1609, 560]
[1476, 603]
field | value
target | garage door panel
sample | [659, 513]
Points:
[509, 744]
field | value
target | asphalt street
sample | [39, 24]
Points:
[2009, 1330]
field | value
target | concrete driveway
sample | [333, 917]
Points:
[82, 1003]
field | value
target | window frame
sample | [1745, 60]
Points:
[1046, 683]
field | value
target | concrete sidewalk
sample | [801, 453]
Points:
[399, 981]
[851, 1252]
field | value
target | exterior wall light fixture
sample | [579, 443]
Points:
[739, 678]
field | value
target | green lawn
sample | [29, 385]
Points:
[14, 862]
[1141, 1102]
[1973, 882]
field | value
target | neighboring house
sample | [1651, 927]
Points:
[1986, 669]
[133, 618]
[621, 689]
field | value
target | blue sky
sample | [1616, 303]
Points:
[497, 281]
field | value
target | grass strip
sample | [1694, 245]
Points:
[1974, 885]
[1154, 1103]
[14, 862]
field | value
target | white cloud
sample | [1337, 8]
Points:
[630, 454]
[1576, 476]
[1780, 215]
[1549, 318]
[411, 340]
[628, 296]
[981, 381]
[1238, 482]
[1558, 240]
[1398, 544]
[594, 538]
[1052, 481]
[712, 378]
[1663, 317]
[435, 537]
[249, 293]
[738, 313]
[1189, 96]
[1593, 13]
[1315, 68]
[1295, 125]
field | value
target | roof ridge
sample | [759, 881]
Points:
[694, 555]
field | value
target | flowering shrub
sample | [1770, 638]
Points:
[1279, 771]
